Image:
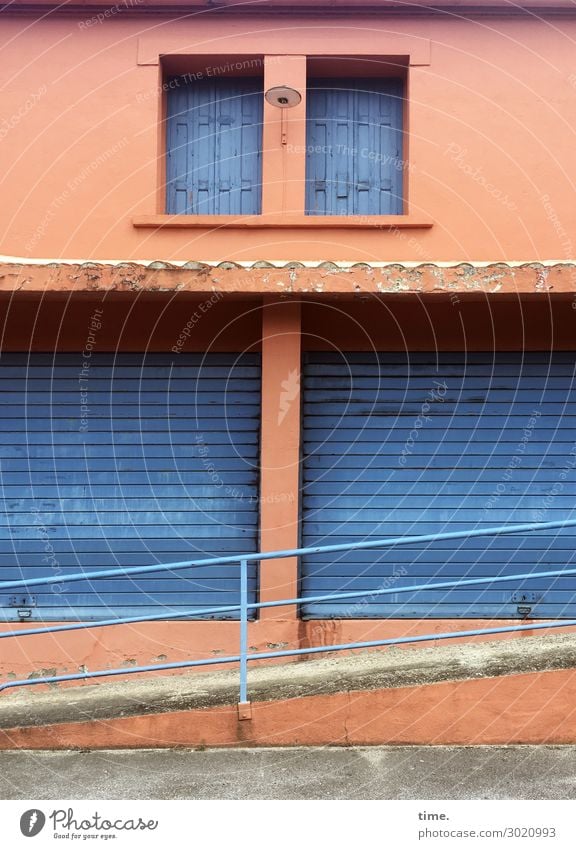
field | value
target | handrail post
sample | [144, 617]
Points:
[244, 711]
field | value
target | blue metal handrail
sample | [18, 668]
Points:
[243, 657]
[294, 552]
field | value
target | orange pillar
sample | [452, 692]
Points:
[280, 452]
[284, 163]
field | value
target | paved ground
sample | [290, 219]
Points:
[485, 772]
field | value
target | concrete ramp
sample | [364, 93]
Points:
[333, 674]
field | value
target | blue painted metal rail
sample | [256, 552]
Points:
[244, 607]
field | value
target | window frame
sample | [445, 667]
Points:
[274, 218]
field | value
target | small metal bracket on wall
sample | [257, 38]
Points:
[526, 597]
[25, 613]
[244, 711]
[22, 601]
[525, 602]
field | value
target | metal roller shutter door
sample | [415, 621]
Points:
[163, 469]
[402, 444]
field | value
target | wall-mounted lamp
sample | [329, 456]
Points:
[283, 97]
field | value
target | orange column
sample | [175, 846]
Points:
[283, 164]
[280, 452]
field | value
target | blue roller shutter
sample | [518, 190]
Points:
[354, 147]
[214, 138]
[404, 444]
[163, 468]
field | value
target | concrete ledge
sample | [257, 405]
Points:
[394, 668]
[282, 222]
[291, 279]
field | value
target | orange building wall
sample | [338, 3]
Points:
[145, 322]
[491, 112]
[491, 117]
[440, 323]
[153, 322]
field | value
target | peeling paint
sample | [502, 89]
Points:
[292, 278]
[541, 279]
[44, 672]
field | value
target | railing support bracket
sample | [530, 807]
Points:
[244, 711]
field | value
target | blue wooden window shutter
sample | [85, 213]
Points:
[354, 147]
[214, 144]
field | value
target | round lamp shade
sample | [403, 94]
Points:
[283, 96]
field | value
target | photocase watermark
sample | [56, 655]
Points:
[566, 243]
[108, 13]
[168, 85]
[514, 462]
[83, 377]
[31, 101]
[412, 242]
[358, 610]
[458, 155]
[435, 395]
[194, 319]
[72, 185]
[233, 491]
[210, 468]
[272, 498]
[548, 501]
[49, 552]
[418, 249]
[414, 245]
[289, 392]
[32, 822]
[67, 824]
[375, 156]
[255, 63]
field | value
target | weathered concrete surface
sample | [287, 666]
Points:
[400, 772]
[379, 670]
[290, 279]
